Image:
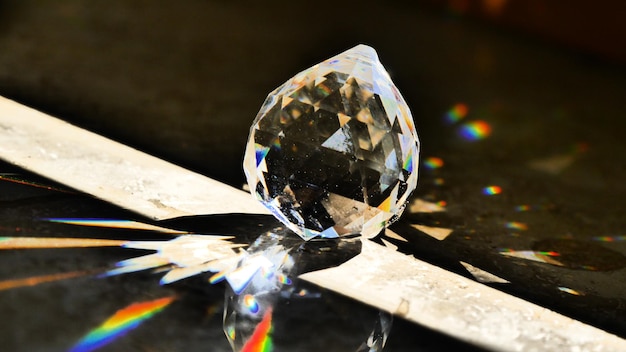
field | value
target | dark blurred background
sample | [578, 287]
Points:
[183, 80]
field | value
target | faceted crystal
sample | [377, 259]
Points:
[333, 151]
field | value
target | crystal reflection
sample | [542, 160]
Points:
[265, 298]
[250, 300]
[378, 338]
[263, 305]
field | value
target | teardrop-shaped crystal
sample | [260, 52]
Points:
[333, 151]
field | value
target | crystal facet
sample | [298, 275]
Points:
[333, 151]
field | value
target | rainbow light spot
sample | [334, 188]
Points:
[548, 253]
[250, 302]
[276, 144]
[439, 181]
[283, 279]
[473, 131]
[261, 339]
[532, 255]
[522, 207]
[456, 113]
[492, 190]
[610, 238]
[570, 291]
[121, 323]
[514, 225]
[433, 163]
[442, 203]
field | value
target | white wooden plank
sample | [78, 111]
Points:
[112, 171]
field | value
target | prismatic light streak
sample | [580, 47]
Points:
[114, 223]
[609, 238]
[474, 131]
[11, 243]
[187, 255]
[261, 339]
[52, 242]
[571, 291]
[492, 190]
[531, 207]
[120, 323]
[548, 257]
[433, 163]
[36, 280]
[514, 225]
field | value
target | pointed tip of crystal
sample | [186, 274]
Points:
[364, 47]
[363, 50]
